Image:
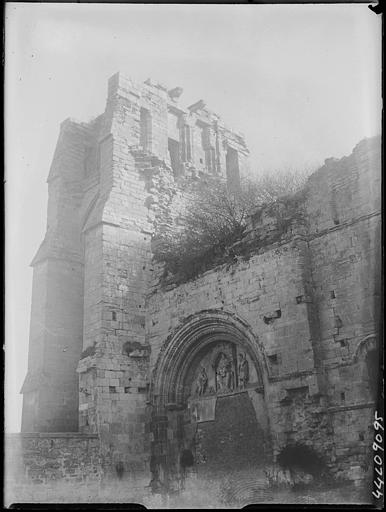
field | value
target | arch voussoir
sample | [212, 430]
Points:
[190, 338]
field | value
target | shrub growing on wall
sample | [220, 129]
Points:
[215, 217]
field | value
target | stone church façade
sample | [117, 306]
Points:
[274, 349]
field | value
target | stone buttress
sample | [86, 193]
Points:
[110, 182]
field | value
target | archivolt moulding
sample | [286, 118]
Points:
[195, 333]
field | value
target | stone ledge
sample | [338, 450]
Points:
[345, 224]
[350, 407]
[255, 387]
[292, 375]
[62, 435]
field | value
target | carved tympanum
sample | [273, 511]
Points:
[223, 368]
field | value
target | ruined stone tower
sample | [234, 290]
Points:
[91, 273]
[274, 349]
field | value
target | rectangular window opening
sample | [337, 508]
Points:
[232, 169]
[210, 160]
[145, 129]
[174, 153]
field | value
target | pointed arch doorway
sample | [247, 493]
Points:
[208, 395]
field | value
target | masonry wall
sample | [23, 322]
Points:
[344, 224]
[50, 389]
[322, 278]
[253, 291]
[113, 385]
[345, 246]
[68, 464]
[308, 294]
[130, 193]
[102, 206]
[30, 419]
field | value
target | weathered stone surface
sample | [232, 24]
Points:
[46, 463]
[300, 300]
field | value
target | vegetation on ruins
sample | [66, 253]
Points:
[215, 220]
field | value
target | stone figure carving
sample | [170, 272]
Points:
[243, 369]
[224, 375]
[221, 373]
[202, 382]
[230, 376]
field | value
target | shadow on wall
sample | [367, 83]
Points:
[299, 457]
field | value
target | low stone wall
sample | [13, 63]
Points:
[46, 466]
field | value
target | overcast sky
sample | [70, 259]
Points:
[302, 82]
